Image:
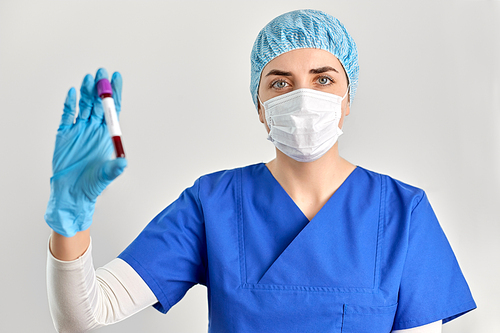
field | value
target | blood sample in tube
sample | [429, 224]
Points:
[106, 94]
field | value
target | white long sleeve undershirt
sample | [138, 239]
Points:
[81, 298]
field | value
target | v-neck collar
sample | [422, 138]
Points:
[340, 189]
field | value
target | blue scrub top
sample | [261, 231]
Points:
[373, 259]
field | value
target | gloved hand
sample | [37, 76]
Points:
[82, 165]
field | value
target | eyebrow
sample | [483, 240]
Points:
[279, 72]
[323, 70]
[318, 70]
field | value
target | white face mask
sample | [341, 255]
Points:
[304, 123]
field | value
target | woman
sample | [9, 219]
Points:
[305, 243]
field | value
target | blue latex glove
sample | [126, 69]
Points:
[82, 165]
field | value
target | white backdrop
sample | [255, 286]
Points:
[426, 112]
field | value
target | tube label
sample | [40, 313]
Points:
[111, 117]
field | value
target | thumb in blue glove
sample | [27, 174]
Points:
[82, 164]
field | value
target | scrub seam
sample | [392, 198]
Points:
[419, 201]
[295, 288]
[380, 235]
[239, 198]
[200, 206]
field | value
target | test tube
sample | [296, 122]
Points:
[106, 94]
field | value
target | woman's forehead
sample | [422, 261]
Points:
[303, 60]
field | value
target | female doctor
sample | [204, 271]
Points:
[305, 243]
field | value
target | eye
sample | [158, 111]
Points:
[325, 80]
[279, 84]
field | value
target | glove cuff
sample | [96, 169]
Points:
[67, 215]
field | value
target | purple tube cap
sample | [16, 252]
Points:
[104, 87]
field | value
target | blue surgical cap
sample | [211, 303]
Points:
[304, 29]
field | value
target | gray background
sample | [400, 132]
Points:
[426, 112]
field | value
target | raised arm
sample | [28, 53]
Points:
[82, 167]
[81, 298]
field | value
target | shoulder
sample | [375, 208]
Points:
[394, 190]
[223, 180]
[227, 174]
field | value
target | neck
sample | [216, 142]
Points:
[316, 180]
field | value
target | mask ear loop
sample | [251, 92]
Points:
[345, 95]
[263, 109]
[258, 98]
[265, 119]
